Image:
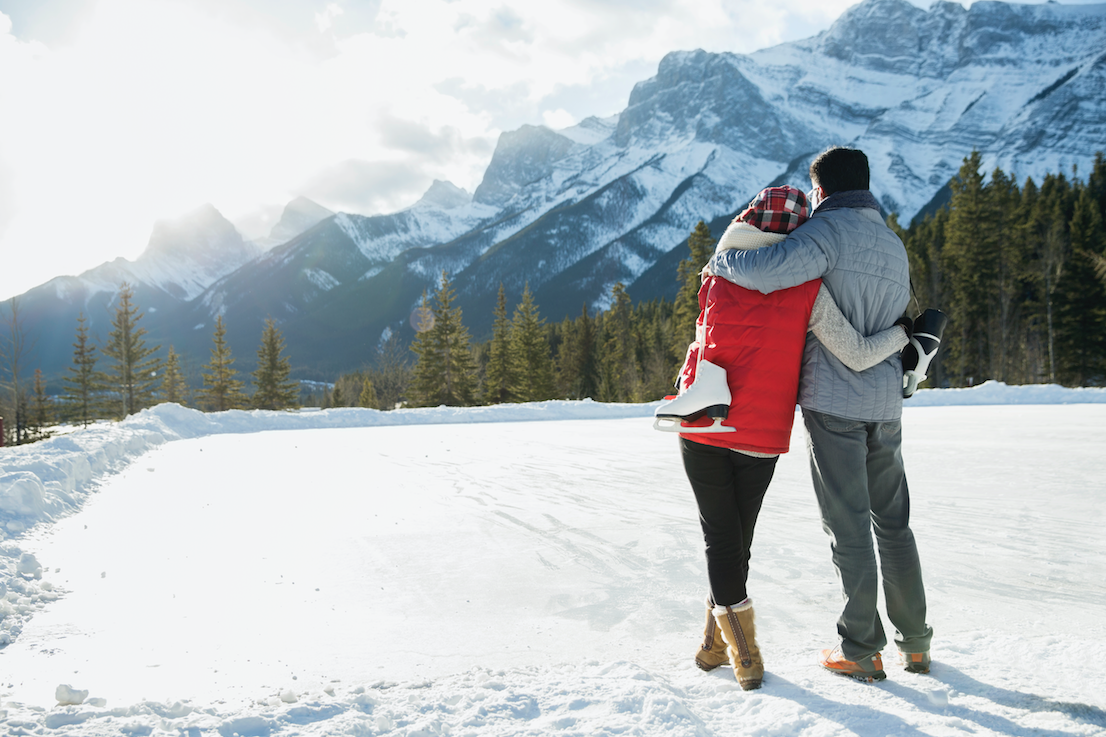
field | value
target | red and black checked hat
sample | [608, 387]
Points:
[777, 210]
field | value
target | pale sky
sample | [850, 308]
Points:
[115, 113]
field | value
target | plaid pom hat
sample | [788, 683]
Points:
[777, 210]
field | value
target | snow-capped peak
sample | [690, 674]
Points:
[298, 216]
[444, 196]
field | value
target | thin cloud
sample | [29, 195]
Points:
[7, 198]
[367, 187]
[428, 145]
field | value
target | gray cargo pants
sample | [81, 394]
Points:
[860, 483]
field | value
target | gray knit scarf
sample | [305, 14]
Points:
[853, 198]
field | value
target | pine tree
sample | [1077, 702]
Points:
[445, 372]
[1096, 183]
[132, 375]
[337, 398]
[531, 362]
[686, 312]
[1047, 240]
[577, 361]
[13, 350]
[1099, 262]
[367, 397]
[651, 324]
[925, 243]
[173, 387]
[391, 374]
[499, 377]
[222, 390]
[972, 261]
[586, 366]
[80, 386]
[1096, 187]
[617, 367]
[41, 415]
[1005, 306]
[1081, 300]
[1034, 359]
[274, 390]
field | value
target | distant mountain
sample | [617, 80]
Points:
[183, 257]
[444, 196]
[298, 216]
[572, 212]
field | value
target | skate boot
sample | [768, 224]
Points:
[868, 669]
[708, 395]
[712, 653]
[739, 632]
[924, 342]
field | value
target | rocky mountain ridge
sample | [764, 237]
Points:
[572, 212]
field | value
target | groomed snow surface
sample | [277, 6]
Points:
[527, 570]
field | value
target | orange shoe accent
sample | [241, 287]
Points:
[867, 670]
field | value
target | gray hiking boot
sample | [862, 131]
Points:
[915, 662]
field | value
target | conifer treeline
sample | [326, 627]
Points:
[625, 353]
[124, 375]
[1021, 272]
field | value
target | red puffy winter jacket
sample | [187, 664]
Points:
[759, 339]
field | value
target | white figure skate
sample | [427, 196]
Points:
[708, 395]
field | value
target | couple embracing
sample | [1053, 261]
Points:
[804, 298]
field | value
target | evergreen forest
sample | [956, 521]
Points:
[1020, 269]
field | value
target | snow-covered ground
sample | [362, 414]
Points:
[532, 569]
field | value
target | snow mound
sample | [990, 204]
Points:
[69, 696]
[996, 392]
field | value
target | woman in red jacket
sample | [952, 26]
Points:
[757, 340]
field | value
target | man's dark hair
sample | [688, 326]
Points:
[840, 169]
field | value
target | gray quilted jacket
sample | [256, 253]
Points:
[864, 266]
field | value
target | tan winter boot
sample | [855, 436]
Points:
[739, 632]
[712, 653]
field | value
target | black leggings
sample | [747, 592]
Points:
[729, 489]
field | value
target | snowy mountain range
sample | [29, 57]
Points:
[572, 212]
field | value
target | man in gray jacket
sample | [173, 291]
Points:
[853, 420]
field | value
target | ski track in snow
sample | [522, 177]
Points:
[489, 572]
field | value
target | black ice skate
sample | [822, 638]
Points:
[918, 354]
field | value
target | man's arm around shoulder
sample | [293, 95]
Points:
[807, 253]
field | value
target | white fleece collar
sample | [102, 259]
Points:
[742, 236]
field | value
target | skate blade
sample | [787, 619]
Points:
[674, 424]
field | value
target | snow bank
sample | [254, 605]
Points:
[996, 392]
[42, 482]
